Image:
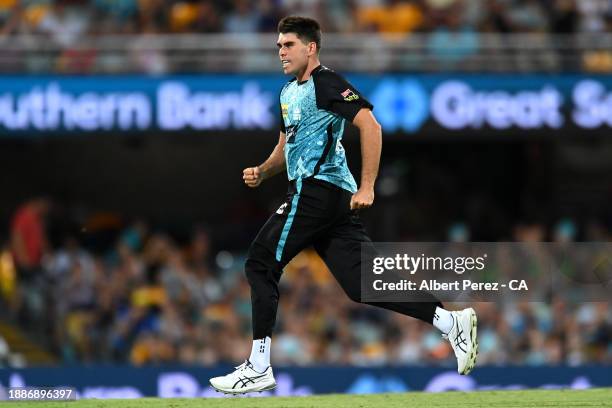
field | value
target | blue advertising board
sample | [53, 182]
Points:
[403, 104]
[130, 382]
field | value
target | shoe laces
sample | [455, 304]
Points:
[244, 365]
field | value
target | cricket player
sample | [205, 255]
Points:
[321, 209]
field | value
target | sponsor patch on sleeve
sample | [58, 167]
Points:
[349, 95]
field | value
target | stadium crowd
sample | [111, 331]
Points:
[150, 300]
[452, 33]
[67, 20]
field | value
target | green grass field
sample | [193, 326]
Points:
[491, 399]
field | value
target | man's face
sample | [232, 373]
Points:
[293, 53]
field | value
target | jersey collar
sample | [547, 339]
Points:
[314, 71]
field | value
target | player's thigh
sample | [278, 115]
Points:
[286, 233]
[344, 249]
[261, 253]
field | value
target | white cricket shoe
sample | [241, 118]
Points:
[463, 340]
[244, 379]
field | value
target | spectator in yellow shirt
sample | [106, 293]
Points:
[396, 17]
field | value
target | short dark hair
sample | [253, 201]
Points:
[306, 29]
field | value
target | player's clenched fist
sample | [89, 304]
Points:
[252, 176]
[362, 199]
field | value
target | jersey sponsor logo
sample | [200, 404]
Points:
[290, 132]
[281, 209]
[349, 95]
[339, 148]
[297, 114]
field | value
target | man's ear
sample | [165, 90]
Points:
[312, 48]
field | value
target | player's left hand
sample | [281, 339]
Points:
[363, 198]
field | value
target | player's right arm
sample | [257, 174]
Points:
[275, 164]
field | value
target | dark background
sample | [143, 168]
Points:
[178, 180]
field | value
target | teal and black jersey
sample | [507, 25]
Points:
[313, 115]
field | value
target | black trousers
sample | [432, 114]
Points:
[316, 213]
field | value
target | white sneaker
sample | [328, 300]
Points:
[463, 340]
[244, 379]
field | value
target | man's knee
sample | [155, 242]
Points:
[260, 264]
[255, 270]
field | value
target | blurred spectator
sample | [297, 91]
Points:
[145, 55]
[270, 15]
[564, 17]
[209, 19]
[29, 244]
[8, 275]
[453, 43]
[65, 22]
[499, 19]
[28, 237]
[564, 231]
[118, 9]
[11, 15]
[183, 16]
[528, 16]
[593, 15]
[394, 17]
[242, 19]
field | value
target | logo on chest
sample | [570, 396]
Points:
[285, 110]
[290, 133]
[296, 114]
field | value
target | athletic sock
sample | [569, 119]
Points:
[443, 320]
[260, 354]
